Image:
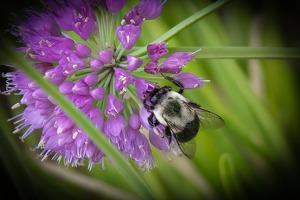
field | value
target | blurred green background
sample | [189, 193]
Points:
[256, 155]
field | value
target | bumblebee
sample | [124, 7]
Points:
[181, 117]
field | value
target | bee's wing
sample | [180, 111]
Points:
[188, 148]
[208, 119]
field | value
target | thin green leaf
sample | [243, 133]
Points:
[228, 177]
[230, 52]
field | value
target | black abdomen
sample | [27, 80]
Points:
[189, 132]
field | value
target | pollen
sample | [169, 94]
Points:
[127, 38]
[132, 21]
[16, 106]
[74, 12]
[49, 43]
[75, 66]
[75, 134]
[77, 24]
[41, 42]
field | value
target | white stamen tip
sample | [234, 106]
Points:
[77, 24]
[75, 134]
[197, 51]
[16, 106]
[16, 131]
[127, 38]
[123, 22]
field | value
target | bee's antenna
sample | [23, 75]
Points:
[177, 83]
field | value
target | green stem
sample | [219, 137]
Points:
[229, 52]
[85, 124]
[184, 24]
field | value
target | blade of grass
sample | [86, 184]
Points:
[89, 183]
[246, 52]
[228, 177]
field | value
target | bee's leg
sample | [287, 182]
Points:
[177, 83]
[149, 108]
[152, 120]
[168, 134]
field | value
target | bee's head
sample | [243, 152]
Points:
[160, 93]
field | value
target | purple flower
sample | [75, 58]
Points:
[133, 17]
[113, 128]
[134, 122]
[158, 142]
[157, 50]
[123, 79]
[128, 35]
[114, 105]
[81, 88]
[71, 62]
[99, 76]
[83, 51]
[76, 15]
[41, 34]
[151, 67]
[96, 64]
[55, 75]
[114, 6]
[150, 9]
[144, 115]
[97, 93]
[143, 87]
[189, 80]
[90, 79]
[66, 87]
[174, 63]
[105, 56]
[146, 9]
[133, 62]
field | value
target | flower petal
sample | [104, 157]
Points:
[128, 35]
[133, 62]
[123, 79]
[113, 106]
[189, 80]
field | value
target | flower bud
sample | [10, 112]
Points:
[97, 93]
[189, 80]
[83, 51]
[157, 50]
[133, 62]
[90, 79]
[105, 56]
[96, 64]
[128, 35]
[81, 88]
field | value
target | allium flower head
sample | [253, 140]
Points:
[70, 45]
